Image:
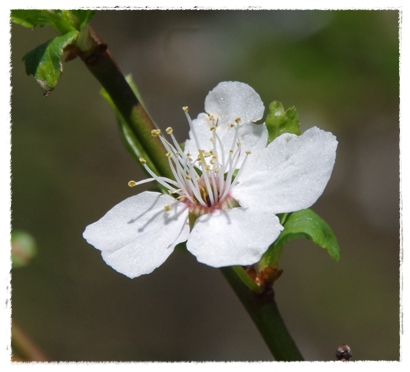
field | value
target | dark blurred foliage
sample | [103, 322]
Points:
[339, 68]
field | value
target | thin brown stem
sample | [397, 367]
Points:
[26, 349]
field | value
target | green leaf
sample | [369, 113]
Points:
[302, 224]
[83, 16]
[29, 18]
[44, 62]
[61, 20]
[23, 248]
[279, 121]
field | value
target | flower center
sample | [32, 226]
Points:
[204, 183]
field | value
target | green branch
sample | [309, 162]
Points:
[100, 63]
[265, 314]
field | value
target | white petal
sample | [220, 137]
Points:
[290, 174]
[231, 99]
[137, 236]
[235, 236]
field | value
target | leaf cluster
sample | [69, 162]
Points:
[44, 62]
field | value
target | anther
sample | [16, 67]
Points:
[168, 155]
[167, 208]
[188, 177]
[156, 132]
[169, 130]
[248, 152]
[239, 144]
[132, 184]
[212, 140]
[212, 128]
[143, 161]
[231, 125]
[185, 108]
[238, 120]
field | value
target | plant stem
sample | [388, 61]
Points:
[100, 63]
[264, 312]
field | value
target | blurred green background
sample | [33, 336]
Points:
[341, 71]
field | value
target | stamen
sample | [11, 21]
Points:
[132, 184]
[167, 208]
[155, 132]
[235, 181]
[169, 130]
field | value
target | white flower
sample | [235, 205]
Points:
[228, 188]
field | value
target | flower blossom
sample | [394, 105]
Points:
[228, 186]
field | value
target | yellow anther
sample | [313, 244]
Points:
[216, 170]
[168, 155]
[248, 152]
[185, 108]
[188, 177]
[167, 208]
[212, 140]
[208, 168]
[156, 132]
[238, 120]
[143, 161]
[169, 130]
[212, 128]
[210, 117]
[231, 125]
[207, 154]
[231, 151]
[239, 144]
[132, 184]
